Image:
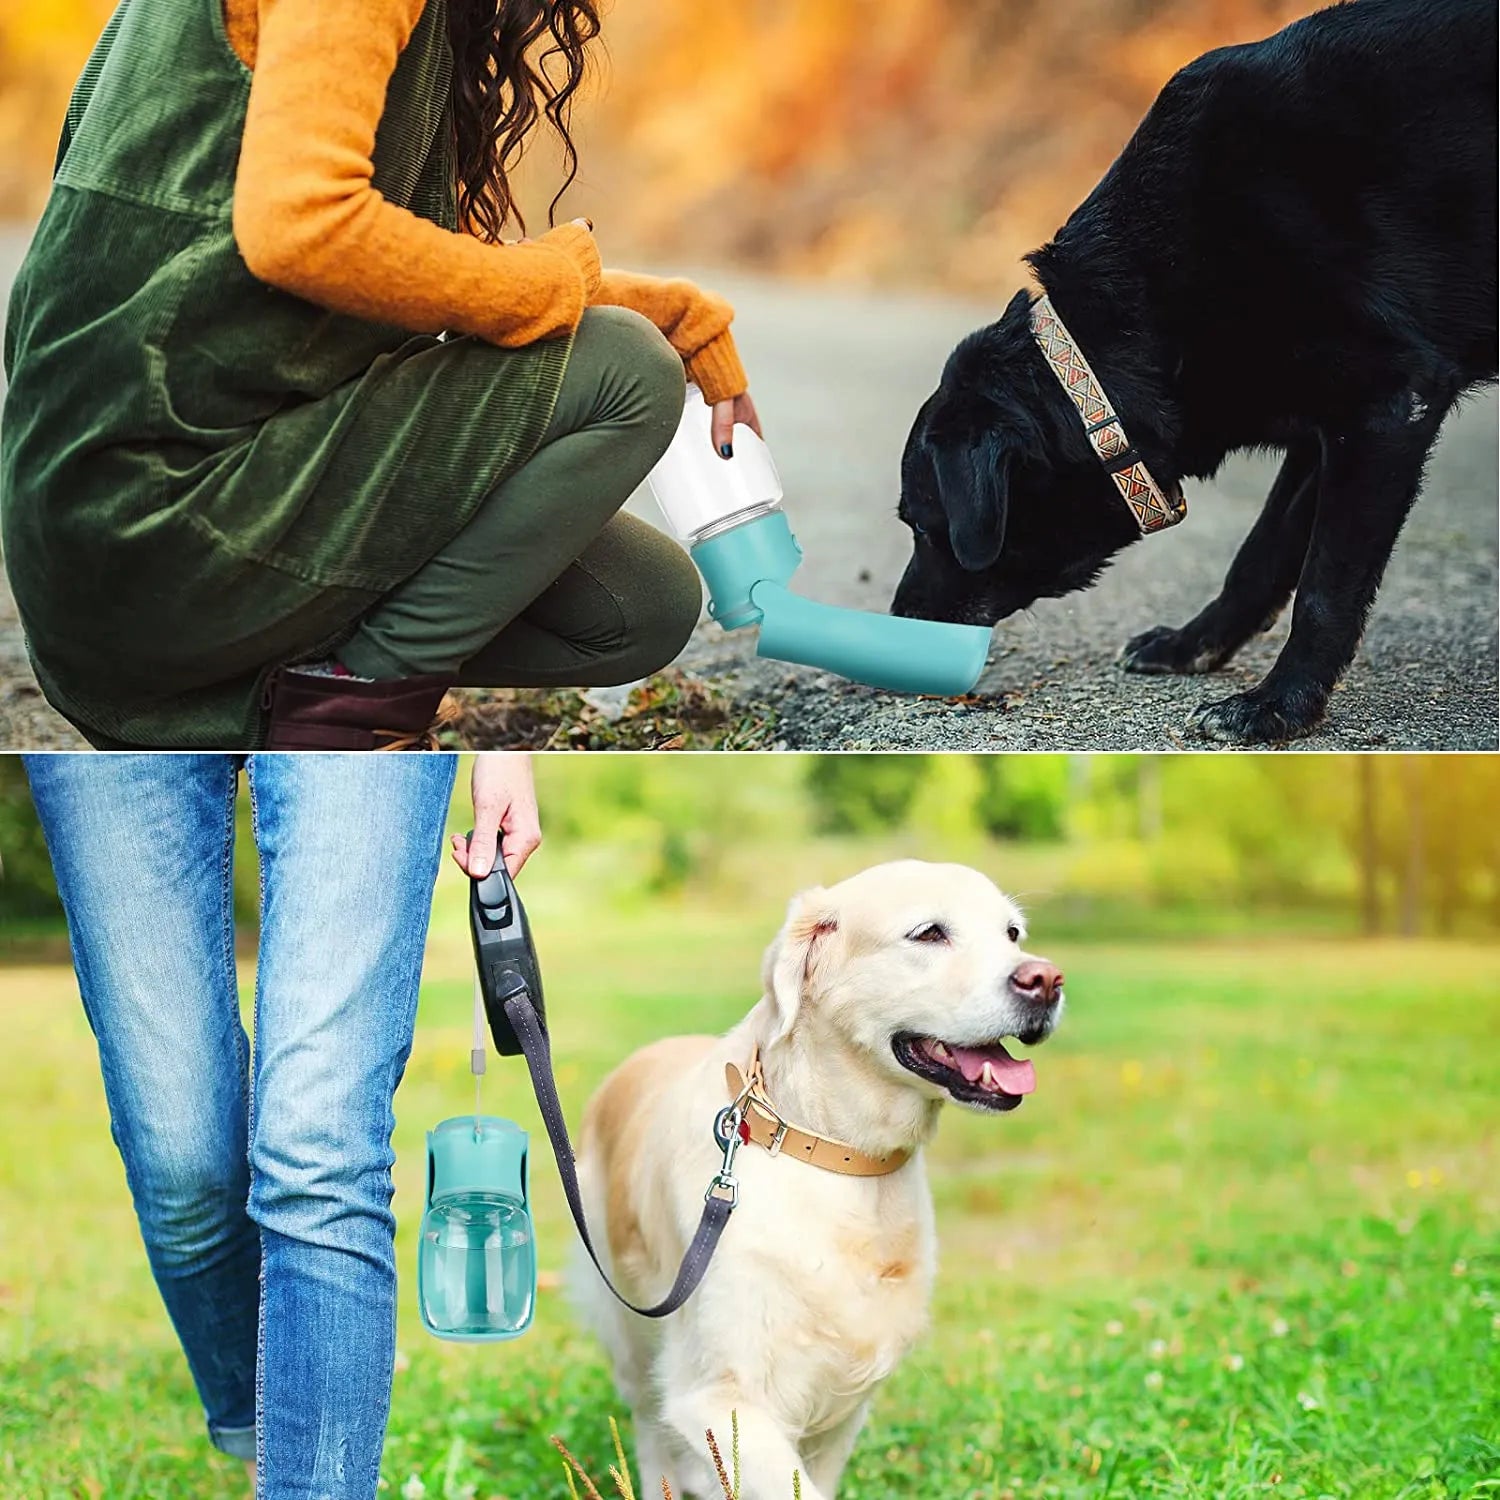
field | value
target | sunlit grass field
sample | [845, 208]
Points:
[1245, 1239]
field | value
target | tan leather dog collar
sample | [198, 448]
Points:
[760, 1123]
[1154, 508]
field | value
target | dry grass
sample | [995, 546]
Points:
[729, 1479]
[671, 711]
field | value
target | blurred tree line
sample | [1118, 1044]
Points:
[872, 140]
[1405, 845]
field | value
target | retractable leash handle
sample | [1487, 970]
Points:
[503, 945]
[511, 985]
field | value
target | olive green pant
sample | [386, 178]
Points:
[548, 585]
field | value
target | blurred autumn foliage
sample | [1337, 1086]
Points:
[43, 45]
[880, 140]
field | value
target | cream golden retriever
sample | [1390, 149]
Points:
[885, 997]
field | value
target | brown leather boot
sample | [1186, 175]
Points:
[311, 712]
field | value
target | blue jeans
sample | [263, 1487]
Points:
[265, 1206]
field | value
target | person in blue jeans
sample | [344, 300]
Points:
[262, 1181]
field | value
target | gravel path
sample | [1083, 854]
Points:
[838, 374]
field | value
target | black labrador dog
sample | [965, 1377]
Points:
[1295, 251]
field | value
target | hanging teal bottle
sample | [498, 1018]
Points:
[476, 1264]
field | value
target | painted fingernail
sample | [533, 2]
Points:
[726, 450]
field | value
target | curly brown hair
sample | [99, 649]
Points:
[515, 62]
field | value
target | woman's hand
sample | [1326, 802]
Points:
[504, 802]
[726, 415]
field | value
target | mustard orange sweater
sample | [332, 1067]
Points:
[307, 219]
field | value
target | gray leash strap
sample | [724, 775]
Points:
[718, 1204]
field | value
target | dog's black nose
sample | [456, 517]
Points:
[1039, 981]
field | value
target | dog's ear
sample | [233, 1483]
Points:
[973, 482]
[791, 960]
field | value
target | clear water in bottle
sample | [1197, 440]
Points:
[478, 1272]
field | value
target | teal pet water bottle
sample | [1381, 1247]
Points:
[728, 513]
[476, 1265]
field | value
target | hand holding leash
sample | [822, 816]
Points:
[504, 795]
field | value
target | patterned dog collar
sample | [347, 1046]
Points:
[1154, 508]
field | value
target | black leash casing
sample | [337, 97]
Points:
[510, 982]
[503, 947]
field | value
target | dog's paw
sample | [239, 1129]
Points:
[1164, 650]
[1257, 718]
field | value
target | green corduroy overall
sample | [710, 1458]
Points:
[202, 477]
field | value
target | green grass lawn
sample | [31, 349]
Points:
[1245, 1239]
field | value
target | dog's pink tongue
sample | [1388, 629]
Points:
[1005, 1076]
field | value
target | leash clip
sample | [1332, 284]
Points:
[727, 1138]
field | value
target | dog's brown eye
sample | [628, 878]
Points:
[933, 932]
[1013, 933]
